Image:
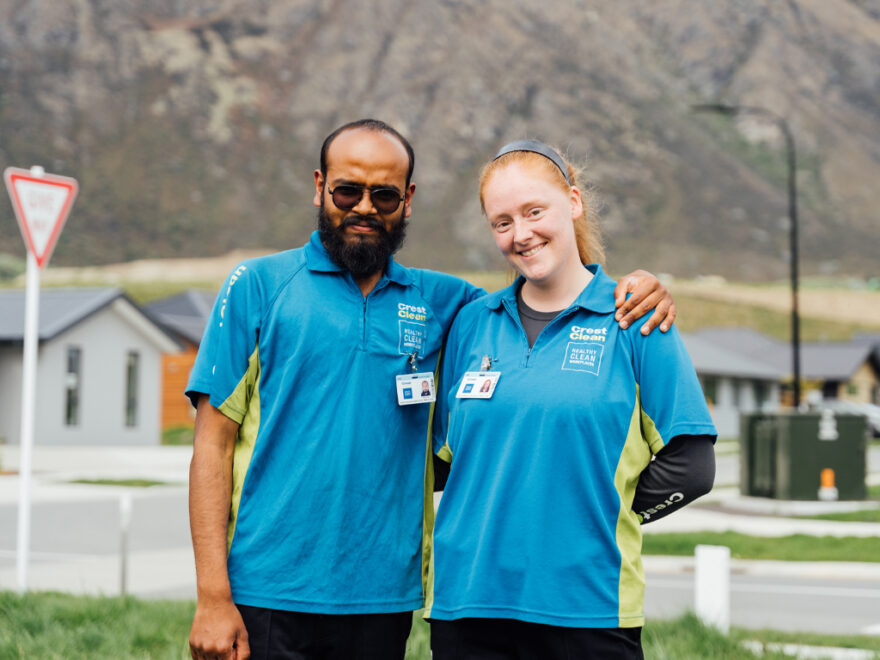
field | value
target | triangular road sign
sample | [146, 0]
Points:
[41, 202]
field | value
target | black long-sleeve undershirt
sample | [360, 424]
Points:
[680, 473]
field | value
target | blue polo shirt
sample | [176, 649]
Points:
[328, 504]
[536, 519]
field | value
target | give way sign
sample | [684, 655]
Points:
[42, 203]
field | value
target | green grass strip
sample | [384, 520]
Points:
[797, 547]
[178, 435]
[866, 515]
[137, 483]
[54, 626]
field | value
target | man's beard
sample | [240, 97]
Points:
[362, 256]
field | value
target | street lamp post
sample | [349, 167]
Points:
[792, 216]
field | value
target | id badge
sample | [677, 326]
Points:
[478, 385]
[415, 388]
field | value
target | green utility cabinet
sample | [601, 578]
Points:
[783, 455]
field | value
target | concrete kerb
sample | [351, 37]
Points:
[817, 570]
[699, 519]
[95, 461]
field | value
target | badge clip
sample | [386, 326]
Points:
[486, 363]
[413, 361]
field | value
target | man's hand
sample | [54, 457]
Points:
[218, 632]
[647, 294]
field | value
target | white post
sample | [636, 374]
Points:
[124, 525]
[28, 397]
[712, 586]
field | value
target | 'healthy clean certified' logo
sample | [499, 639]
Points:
[579, 333]
[411, 328]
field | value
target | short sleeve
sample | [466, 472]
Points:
[671, 399]
[229, 346]
[448, 294]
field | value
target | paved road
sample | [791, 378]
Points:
[75, 545]
[781, 603]
[159, 521]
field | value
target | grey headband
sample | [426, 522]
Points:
[538, 148]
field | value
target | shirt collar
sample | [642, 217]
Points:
[597, 296]
[318, 259]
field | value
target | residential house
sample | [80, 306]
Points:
[848, 371]
[871, 339]
[183, 316]
[732, 382]
[98, 368]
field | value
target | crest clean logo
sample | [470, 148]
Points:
[411, 313]
[580, 333]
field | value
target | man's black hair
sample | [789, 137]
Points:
[370, 125]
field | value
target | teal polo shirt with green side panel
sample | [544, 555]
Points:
[536, 520]
[328, 504]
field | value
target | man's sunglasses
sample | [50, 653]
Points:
[347, 196]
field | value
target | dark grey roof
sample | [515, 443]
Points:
[835, 361]
[714, 360]
[871, 338]
[185, 314]
[60, 308]
[743, 341]
[819, 360]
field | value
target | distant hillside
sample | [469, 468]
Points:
[193, 127]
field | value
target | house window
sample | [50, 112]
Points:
[762, 394]
[830, 389]
[132, 365]
[72, 385]
[710, 388]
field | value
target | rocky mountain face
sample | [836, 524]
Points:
[194, 126]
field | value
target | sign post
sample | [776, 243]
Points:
[41, 203]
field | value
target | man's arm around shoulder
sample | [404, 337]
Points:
[217, 630]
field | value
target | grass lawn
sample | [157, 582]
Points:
[178, 435]
[144, 293]
[50, 626]
[696, 312]
[53, 626]
[136, 483]
[797, 547]
[867, 515]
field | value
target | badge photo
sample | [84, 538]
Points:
[415, 388]
[478, 385]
